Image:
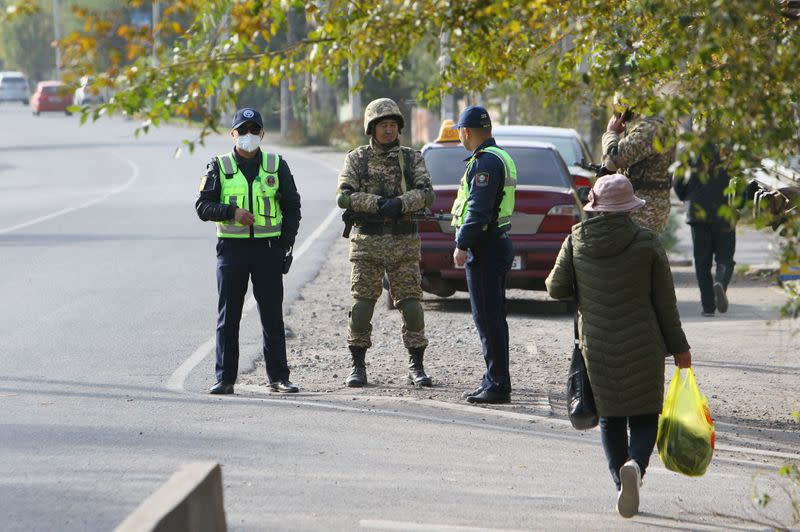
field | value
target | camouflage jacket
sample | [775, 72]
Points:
[637, 154]
[384, 178]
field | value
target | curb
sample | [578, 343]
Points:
[191, 501]
[497, 412]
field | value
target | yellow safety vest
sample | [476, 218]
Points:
[459, 210]
[258, 197]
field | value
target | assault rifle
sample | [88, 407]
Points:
[350, 217]
[598, 169]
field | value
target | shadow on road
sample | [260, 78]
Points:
[516, 307]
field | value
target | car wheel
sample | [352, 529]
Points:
[36, 113]
[67, 113]
[24, 102]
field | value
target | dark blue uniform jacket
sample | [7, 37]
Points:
[486, 179]
[209, 208]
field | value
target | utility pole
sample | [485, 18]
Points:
[511, 114]
[57, 30]
[448, 109]
[353, 78]
[156, 19]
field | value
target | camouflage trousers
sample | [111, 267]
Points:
[655, 214]
[398, 258]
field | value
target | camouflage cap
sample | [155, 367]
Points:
[379, 109]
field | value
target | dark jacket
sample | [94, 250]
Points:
[628, 317]
[705, 199]
[483, 203]
[209, 208]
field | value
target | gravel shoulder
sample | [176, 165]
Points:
[746, 361]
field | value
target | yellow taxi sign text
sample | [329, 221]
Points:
[446, 134]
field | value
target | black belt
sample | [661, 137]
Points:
[398, 228]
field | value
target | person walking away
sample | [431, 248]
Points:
[381, 185]
[628, 323]
[482, 217]
[252, 197]
[713, 225]
[635, 155]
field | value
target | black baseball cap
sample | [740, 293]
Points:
[474, 116]
[245, 115]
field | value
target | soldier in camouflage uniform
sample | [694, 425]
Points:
[636, 156]
[382, 184]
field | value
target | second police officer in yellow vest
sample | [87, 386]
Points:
[252, 197]
[482, 215]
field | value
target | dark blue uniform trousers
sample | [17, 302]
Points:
[488, 262]
[237, 262]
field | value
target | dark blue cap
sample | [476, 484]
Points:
[247, 115]
[475, 117]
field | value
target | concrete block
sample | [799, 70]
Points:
[190, 501]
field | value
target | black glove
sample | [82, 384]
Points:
[390, 208]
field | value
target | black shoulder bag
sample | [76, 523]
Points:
[580, 400]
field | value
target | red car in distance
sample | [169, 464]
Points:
[51, 96]
[546, 207]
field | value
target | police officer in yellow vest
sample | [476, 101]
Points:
[252, 197]
[482, 215]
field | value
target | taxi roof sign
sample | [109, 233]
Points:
[446, 134]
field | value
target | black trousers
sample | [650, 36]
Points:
[619, 449]
[486, 269]
[717, 242]
[239, 261]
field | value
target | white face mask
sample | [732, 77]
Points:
[248, 142]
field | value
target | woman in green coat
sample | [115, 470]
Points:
[628, 324]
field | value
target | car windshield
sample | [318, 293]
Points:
[14, 82]
[535, 166]
[569, 148]
[51, 90]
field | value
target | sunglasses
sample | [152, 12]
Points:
[244, 129]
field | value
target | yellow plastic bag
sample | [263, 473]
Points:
[685, 430]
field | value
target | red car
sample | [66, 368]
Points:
[546, 207]
[51, 96]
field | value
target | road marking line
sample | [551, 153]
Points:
[176, 381]
[67, 210]
[380, 524]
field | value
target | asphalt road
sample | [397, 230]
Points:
[108, 306]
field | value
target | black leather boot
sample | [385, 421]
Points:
[416, 372]
[357, 377]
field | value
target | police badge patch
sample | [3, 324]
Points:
[248, 113]
[482, 179]
[271, 181]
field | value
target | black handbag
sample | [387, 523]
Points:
[580, 400]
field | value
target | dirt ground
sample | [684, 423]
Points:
[747, 361]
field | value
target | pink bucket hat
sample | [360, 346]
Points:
[613, 193]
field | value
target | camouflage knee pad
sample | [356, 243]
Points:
[413, 316]
[360, 327]
[413, 323]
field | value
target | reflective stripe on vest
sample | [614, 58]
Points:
[459, 210]
[236, 191]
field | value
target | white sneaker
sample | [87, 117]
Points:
[630, 477]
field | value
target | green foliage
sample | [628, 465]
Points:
[669, 237]
[731, 65]
[26, 45]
